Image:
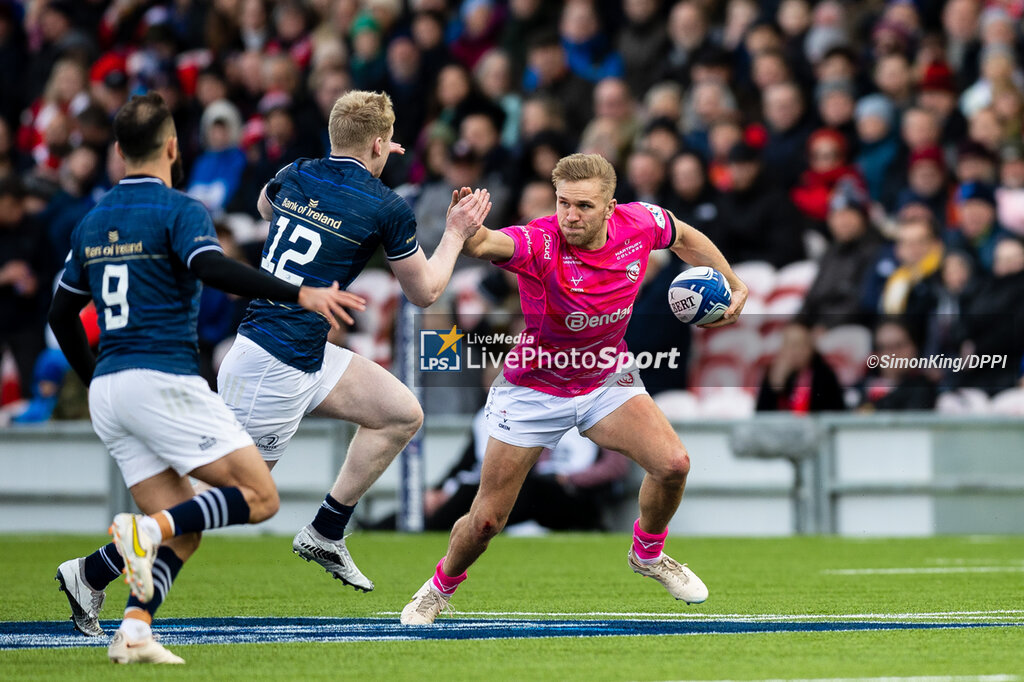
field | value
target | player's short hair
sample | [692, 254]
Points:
[585, 167]
[142, 126]
[358, 118]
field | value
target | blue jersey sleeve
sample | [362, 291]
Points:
[274, 185]
[193, 232]
[74, 278]
[398, 229]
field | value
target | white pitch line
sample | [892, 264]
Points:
[924, 570]
[938, 678]
[1000, 614]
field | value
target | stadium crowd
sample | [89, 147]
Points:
[860, 163]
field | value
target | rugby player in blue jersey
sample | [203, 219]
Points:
[140, 255]
[327, 218]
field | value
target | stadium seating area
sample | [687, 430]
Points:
[808, 139]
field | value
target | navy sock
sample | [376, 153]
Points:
[165, 570]
[102, 566]
[331, 518]
[215, 508]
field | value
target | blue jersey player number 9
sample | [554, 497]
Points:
[115, 295]
[296, 256]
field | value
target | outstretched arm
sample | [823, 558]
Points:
[424, 280]
[694, 247]
[227, 274]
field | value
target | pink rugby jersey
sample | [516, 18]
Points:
[578, 299]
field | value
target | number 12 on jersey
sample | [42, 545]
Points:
[296, 256]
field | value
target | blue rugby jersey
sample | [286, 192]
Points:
[131, 253]
[329, 217]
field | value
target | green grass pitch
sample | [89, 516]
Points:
[965, 578]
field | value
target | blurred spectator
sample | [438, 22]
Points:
[788, 125]
[645, 179]
[692, 198]
[688, 34]
[539, 156]
[493, 74]
[480, 23]
[406, 87]
[958, 285]
[643, 43]
[548, 73]
[537, 200]
[758, 219]
[661, 138]
[428, 35]
[54, 38]
[960, 28]
[828, 166]
[368, 64]
[1010, 194]
[998, 73]
[893, 78]
[992, 321]
[893, 386]
[878, 145]
[912, 274]
[613, 101]
[526, 19]
[936, 93]
[589, 53]
[836, 102]
[975, 163]
[978, 232]
[926, 183]
[834, 296]
[799, 380]
[24, 281]
[217, 172]
[46, 125]
[480, 128]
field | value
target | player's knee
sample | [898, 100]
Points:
[486, 525]
[264, 505]
[410, 420]
[675, 467]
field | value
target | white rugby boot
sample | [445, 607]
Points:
[85, 602]
[146, 651]
[139, 553]
[680, 581]
[426, 605]
[332, 555]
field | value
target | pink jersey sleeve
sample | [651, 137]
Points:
[655, 221]
[534, 249]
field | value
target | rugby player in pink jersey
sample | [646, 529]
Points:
[579, 273]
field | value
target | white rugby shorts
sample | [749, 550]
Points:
[526, 417]
[151, 421]
[270, 398]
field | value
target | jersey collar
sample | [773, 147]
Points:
[138, 179]
[348, 159]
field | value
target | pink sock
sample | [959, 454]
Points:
[647, 545]
[445, 583]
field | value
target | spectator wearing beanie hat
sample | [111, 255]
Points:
[835, 295]
[937, 94]
[926, 182]
[977, 232]
[828, 163]
[875, 118]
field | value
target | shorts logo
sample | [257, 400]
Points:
[633, 271]
[504, 421]
[268, 442]
[207, 442]
[440, 351]
[625, 381]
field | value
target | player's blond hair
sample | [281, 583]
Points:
[577, 167]
[358, 118]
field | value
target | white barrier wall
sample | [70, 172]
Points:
[881, 475]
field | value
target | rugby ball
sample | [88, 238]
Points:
[699, 295]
